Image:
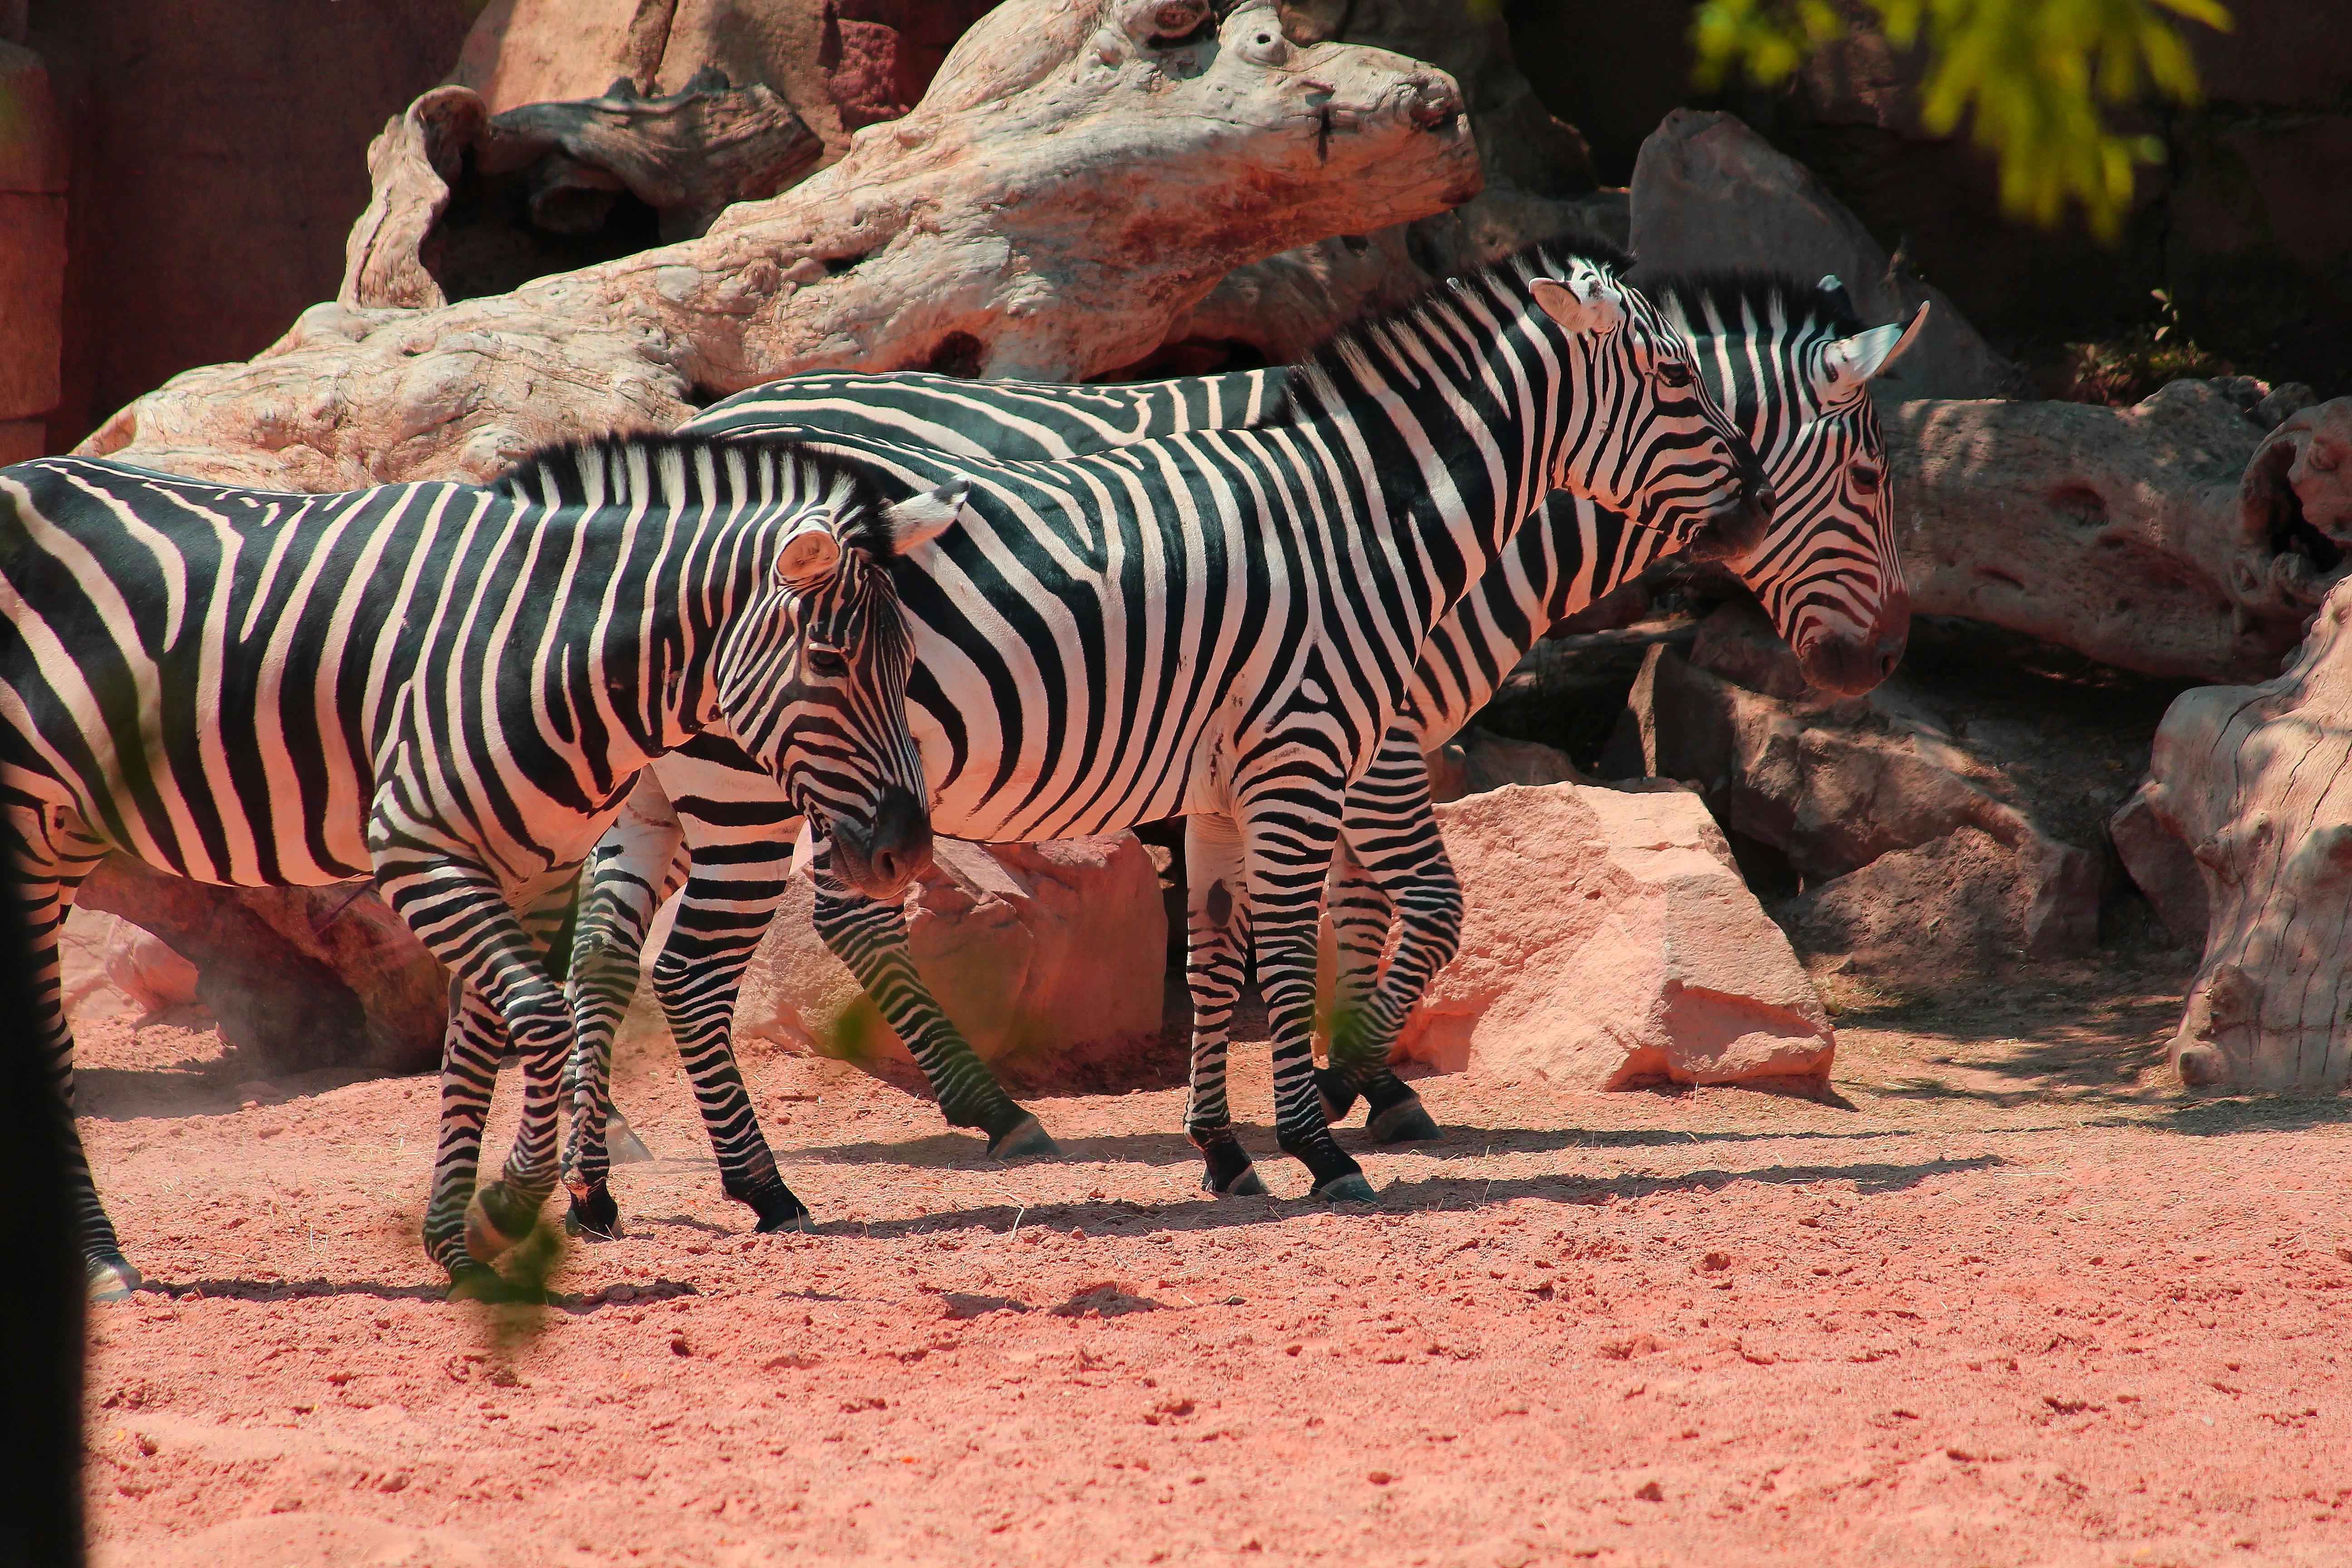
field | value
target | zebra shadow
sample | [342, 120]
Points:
[1431, 1195]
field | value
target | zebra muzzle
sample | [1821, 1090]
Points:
[880, 857]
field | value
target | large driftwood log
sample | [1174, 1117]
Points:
[2258, 781]
[1080, 173]
[2156, 538]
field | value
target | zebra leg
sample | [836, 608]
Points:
[870, 937]
[1390, 828]
[622, 885]
[1358, 910]
[495, 951]
[1216, 935]
[725, 909]
[44, 894]
[1287, 843]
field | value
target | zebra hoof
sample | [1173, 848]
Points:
[1245, 1185]
[1404, 1122]
[593, 1216]
[622, 1144]
[1351, 1188]
[1025, 1139]
[1338, 1099]
[113, 1280]
[497, 1219]
[779, 1210]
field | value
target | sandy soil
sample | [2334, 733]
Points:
[2008, 1299]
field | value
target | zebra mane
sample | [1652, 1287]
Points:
[691, 471]
[1775, 301]
[1542, 259]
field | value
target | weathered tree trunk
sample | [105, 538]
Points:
[2258, 781]
[2157, 538]
[1079, 174]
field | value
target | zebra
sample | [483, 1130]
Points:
[1224, 619]
[1787, 362]
[1792, 365]
[451, 687]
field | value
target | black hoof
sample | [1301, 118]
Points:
[778, 1210]
[1349, 1188]
[1230, 1173]
[112, 1278]
[1406, 1121]
[1245, 1185]
[593, 1216]
[1331, 1088]
[1023, 1140]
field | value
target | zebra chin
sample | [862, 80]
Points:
[892, 847]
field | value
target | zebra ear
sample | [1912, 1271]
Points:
[808, 557]
[1588, 301]
[1864, 357]
[919, 518]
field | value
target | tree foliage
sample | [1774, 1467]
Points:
[2034, 79]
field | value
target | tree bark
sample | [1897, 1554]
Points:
[2258, 782]
[1081, 172]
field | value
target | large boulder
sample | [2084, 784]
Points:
[110, 968]
[1051, 958]
[1710, 192]
[1831, 785]
[2169, 538]
[1609, 941]
[32, 252]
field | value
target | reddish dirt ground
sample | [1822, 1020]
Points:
[2008, 1299]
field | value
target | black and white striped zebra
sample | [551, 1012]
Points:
[1223, 620]
[1792, 365]
[1787, 361]
[450, 687]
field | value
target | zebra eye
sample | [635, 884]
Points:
[1865, 479]
[1674, 373]
[827, 661]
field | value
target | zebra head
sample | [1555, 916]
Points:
[1792, 367]
[811, 669]
[1638, 431]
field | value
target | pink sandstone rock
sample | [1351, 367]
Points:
[1609, 941]
[1050, 957]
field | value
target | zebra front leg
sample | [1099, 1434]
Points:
[726, 908]
[43, 900]
[496, 959]
[870, 937]
[1358, 910]
[1288, 845]
[1216, 939]
[1398, 861]
[622, 885]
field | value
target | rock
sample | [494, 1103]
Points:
[219, 155]
[2258, 782]
[2160, 538]
[467, 202]
[1833, 784]
[1608, 942]
[1051, 958]
[1961, 904]
[111, 967]
[1708, 192]
[32, 237]
[2162, 867]
[1078, 175]
[300, 977]
[1476, 761]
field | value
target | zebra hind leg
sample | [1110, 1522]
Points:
[1217, 920]
[1289, 850]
